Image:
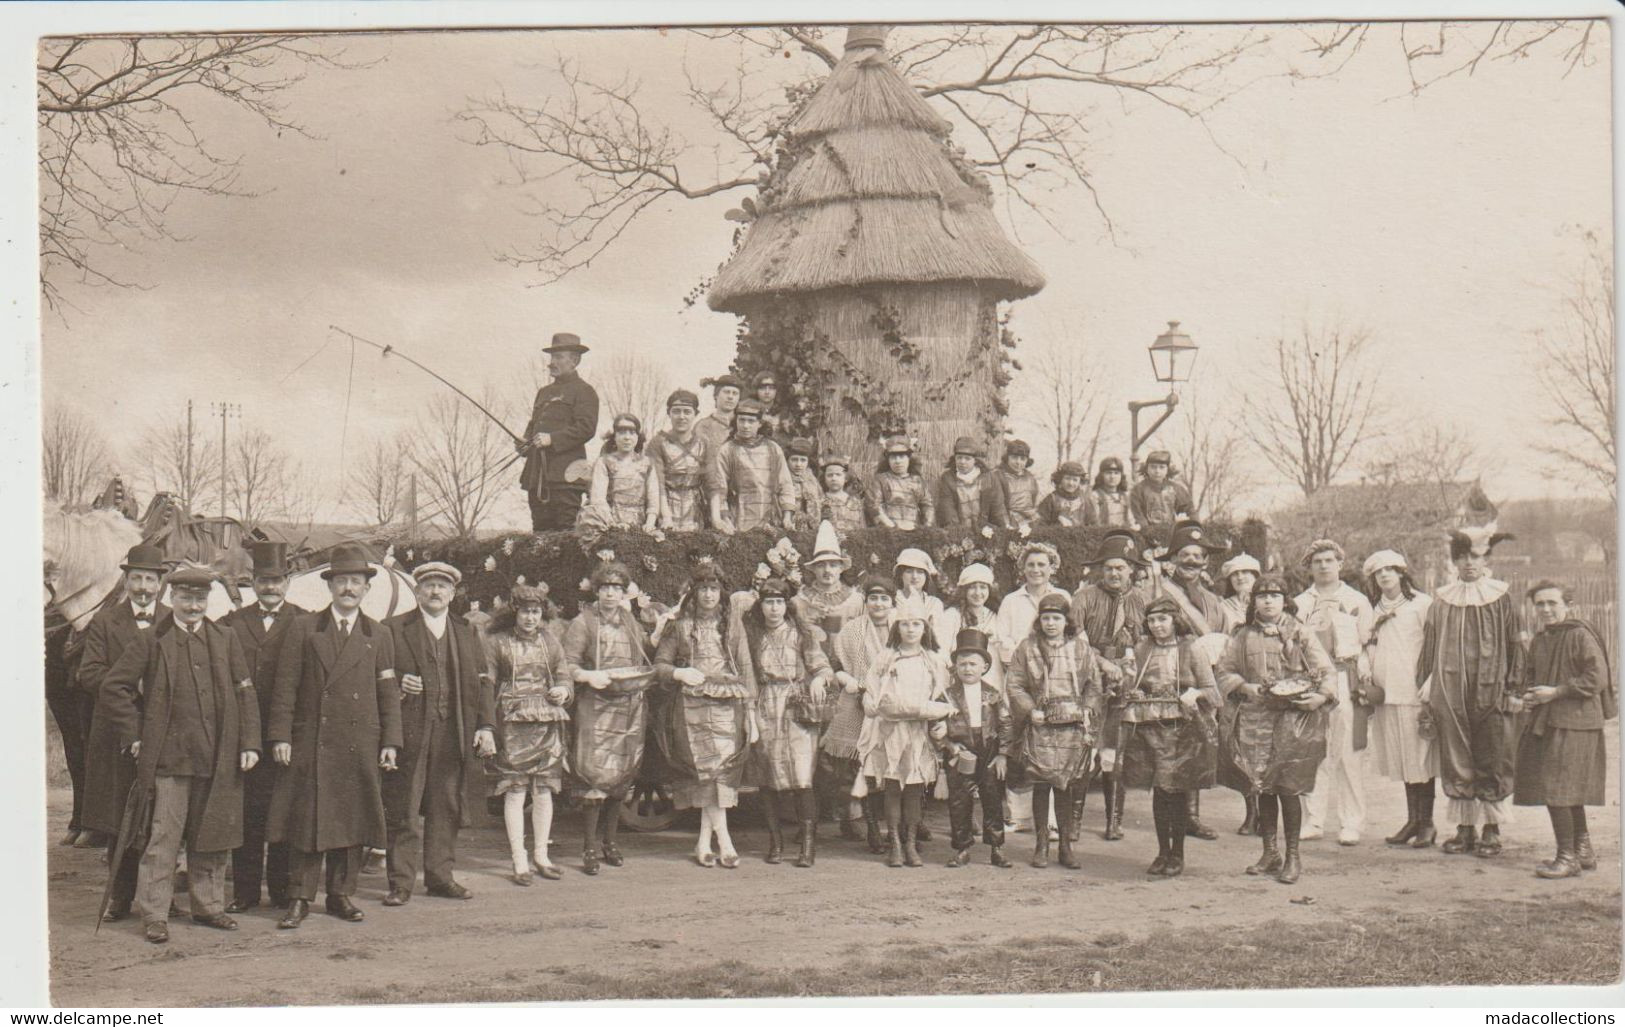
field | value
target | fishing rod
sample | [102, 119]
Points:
[392, 351]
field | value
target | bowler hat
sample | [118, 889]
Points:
[270, 559]
[969, 640]
[349, 559]
[565, 342]
[143, 558]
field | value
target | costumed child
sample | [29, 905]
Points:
[1068, 505]
[912, 571]
[1400, 748]
[1284, 678]
[829, 603]
[1237, 576]
[861, 641]
[975, 591]
[1053, 686]
[899, 498]
[798, 456]
[710, 723]
[1018, 489]
[534, 691]
[765, 390]
[681, 454]
[625, 492]
[1157, 499]
[904, 696]
[1108, 497]
[838, 504]
[979, 735]
[967, 496]
[608, 654]
[788, 671]
[748, 481]
[1168, 738]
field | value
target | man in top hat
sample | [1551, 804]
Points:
[260, 629]
[564, 417]
[1472, 648]
[1157, 498]
[749, 482]
[182, 703]
[1341, 617]
[1189, 548]
[335, 729]
[967, 496]
[680, 455]
[109, 769]
[448, 723]
[716, 426]
[1111, 612]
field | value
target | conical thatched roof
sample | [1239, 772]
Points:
[868, 193]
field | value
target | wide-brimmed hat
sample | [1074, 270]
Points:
[1190, 533]
[967, 446]
[349, 559]
[1384, 558]
[976, 574]
[1067, 467]
[144, 558]
[192, 577]
[827, 547]
[270, 558]
[918, 559]
[1119, 545]
[969, 640]
[1240, 562]
[682, 398]
[437, 569]
[565, 342]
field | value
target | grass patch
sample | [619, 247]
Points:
[1569, 941]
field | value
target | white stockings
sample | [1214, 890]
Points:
[541, 819]
[714, 820]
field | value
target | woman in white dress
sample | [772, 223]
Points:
[1398, 746]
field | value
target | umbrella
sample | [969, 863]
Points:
[134, 830]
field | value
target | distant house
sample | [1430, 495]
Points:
[1578, 547]
[1454, 504]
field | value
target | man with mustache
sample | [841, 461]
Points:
[335, 729]
[260, 629]
[563, 418]
[1188, 551]
[109, 769]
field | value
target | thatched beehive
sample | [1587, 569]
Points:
[872, 228]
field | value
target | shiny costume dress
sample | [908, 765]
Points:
[607, 747]
[1277, 746]
[704, 729]
[532, 731]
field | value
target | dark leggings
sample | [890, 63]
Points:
[904, 804]
[603, 821]
[1568, 824]
[1290, 808]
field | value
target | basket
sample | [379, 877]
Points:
[1062, 711]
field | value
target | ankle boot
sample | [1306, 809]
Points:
[871, 826]
[809, 843]
[1489, 842]
[1268, 863]
[997, 858]
[1583, 853]
[895, 857]
[1249, 823]
[1565, 865]
[1176, 854]
[1465, 840]
[1291, 868]
[1193, 824]
[911, 846]
[1412, 818]
[1114, 821]
[1108, 797]
[1426, 834]
[1159, 817]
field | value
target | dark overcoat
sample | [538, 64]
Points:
[337, 705]
[109, 771]
[472, 704]
[567, 410]
[138, 697]
[262, 648]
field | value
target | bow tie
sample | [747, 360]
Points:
[143, 618]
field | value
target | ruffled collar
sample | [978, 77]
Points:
[1482, 592]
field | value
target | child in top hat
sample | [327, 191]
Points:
[900, 498]
[1068, 505]
[979, 736]
[1018, 488]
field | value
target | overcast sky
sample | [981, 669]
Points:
[1447, 224]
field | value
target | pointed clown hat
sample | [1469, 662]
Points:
[827, 546]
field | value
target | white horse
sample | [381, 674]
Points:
[82, 553]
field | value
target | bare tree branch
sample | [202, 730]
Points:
[75, 458]
[1576, 374]
[1211, 455]
[1068, 404]
[457, 453]
[378, 483]
[257, 476]
[179, 458]
[633, 384]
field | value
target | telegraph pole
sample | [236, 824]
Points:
[226, 411]
[186, 477]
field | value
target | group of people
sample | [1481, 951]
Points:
[290, 741]
[737, 468]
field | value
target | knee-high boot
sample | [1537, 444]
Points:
[1108, 797]
[1291, 825]
[591, 810]
[1249, 823]
[894, 822]
[1114, 821]
[775, 831]
[871, 822]
[1269, 862]
[1041, 825]
[807, 808]
[1066, 814]
[1077, 794]
[1159, 817]
[1412, 817]
[1177, 807]
[1426, 834]
[1193, 818]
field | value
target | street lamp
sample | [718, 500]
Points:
[1171, 358]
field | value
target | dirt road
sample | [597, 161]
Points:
[662, 911]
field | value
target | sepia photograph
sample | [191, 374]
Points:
[551, 513]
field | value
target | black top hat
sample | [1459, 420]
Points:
[144, 558]
[969, 640]
[565, 342]
[349, 559]
[270, 559]
[1119, 545]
